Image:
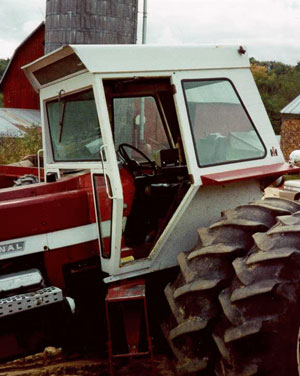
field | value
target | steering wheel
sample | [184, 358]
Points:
[134, 165]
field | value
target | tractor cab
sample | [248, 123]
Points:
[148, 150]
[169, 135]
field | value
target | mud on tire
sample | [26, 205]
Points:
[207, 270]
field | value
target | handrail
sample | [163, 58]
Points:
[39, 163]
[104, 174]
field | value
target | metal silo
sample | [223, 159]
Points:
[90, 22]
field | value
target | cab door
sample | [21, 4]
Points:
[108, 195]
[149, 147]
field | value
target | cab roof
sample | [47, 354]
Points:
[72, 59]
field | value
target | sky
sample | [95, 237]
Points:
[269, 29]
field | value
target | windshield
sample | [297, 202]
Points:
[74, 127]
[222, 130]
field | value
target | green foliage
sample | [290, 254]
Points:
[278, 85]
[14, 149]
[3, 65]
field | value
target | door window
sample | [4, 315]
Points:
[137, 122]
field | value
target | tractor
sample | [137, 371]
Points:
[146, 150]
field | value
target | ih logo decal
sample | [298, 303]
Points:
[273, 152]
[12, 247]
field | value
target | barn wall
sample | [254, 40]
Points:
[17, 91]
[90, 22]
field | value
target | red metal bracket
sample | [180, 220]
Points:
[128, 292]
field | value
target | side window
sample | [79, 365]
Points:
[137, 122]
[74, 127]
[222, 129]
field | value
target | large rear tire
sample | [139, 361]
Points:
[205, 272]
[261, 308]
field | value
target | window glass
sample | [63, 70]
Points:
[222, 130]
[137, 122]
[74, 127]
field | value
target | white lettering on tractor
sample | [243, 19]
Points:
[13, 247]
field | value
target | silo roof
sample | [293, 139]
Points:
[293, 107]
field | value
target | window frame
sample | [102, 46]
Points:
[245, 110]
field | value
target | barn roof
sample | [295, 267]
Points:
[293, 107]
[5, 74]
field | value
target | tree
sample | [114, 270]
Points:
[3, 65]
[278, 85]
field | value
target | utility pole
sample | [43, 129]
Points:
[142, 101]
[144, 36]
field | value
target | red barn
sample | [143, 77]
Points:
[17, 91]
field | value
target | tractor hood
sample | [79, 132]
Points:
[72, 59]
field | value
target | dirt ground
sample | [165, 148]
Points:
[52, 362]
